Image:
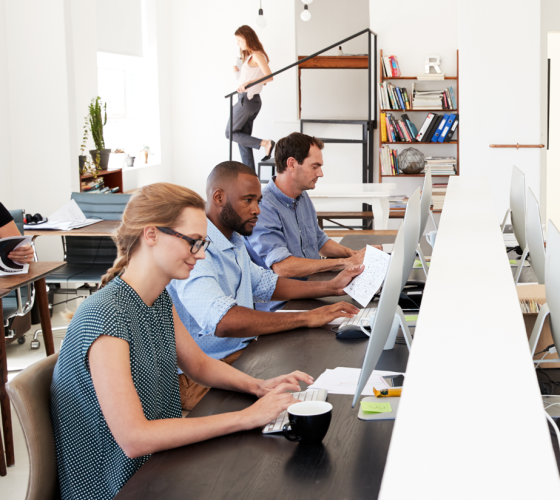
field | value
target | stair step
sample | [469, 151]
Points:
[342, 141]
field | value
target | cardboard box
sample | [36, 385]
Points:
[537, 293]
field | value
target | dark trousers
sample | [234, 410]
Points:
[244, 114]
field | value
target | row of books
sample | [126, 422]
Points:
[392, 97]
[436, 128]
[391, 67]
[97, 186]
[433, 99]
[438, 196]
[388, 161]
[441, 165]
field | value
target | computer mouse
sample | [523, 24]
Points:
[351, 333]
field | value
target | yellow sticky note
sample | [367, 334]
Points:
[373, 407]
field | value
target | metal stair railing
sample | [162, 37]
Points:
[370, 122]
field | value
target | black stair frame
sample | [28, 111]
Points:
[368, 125]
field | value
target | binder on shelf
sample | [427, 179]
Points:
[433, 126]
[411, 127]
[425, 126]
[447, 127]
[383, 128]
[439, 130]
[453, 128]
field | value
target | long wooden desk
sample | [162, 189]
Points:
[248, 465]
[101, 228]
[485, 436]
[37, 273]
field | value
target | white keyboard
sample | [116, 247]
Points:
[354, 323]
[308, 395]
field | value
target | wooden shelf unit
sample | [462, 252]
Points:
[417, 144]
[111, 178]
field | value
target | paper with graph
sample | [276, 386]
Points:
[364, 286]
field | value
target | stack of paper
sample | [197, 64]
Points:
[8, 245]
[345, 381]
[509, 240]
[70, 216]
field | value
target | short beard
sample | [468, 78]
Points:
[231, 219]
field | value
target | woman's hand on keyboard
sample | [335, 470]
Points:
[267, 408]
[326, 314]
[265, 386]
[344, 278]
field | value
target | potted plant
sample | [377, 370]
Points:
[97, 119]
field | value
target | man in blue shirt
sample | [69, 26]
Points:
[287, 237]
[216, 302]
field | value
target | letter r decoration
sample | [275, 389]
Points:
[433, 62]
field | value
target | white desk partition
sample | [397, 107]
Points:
[327, 196]
[470, 423]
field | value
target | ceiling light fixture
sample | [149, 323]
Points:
[305, 15]
[261, 20]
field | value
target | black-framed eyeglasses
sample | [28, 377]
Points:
[196, 245]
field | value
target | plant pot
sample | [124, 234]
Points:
[104, 157]
[82, 159]
[130, 161]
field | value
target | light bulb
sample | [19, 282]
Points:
[307, 2]
[305, 15]
[261, 21]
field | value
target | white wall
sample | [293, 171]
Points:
[411, 41]
[119, 29]
[6, 194]
[501, 56]
[202, 54]
[550, 21]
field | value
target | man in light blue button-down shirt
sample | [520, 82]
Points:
[216, 302]
[287, 237]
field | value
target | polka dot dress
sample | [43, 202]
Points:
[91, 465]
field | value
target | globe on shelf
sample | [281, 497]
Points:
[411, 161]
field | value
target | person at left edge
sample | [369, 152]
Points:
[216, 302]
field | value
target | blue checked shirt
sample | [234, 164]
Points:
[226, 278]
[286, 227]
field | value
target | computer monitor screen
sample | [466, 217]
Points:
[386, 310]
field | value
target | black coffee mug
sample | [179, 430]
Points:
[309, 421]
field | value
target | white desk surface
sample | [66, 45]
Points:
[374, 190]
[490, 438]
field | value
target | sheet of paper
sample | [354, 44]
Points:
[372, 407]
[364, 286]
[345, 381]
[509, 240]
[69, 212]
[9, 267]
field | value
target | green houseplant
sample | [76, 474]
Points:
[97, 120]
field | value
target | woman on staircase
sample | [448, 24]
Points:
[255, 67]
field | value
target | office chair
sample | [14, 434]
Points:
[517, 208]
[87, 257]
[552, 289]
[20, 301]
[535, 240]
[30, 393]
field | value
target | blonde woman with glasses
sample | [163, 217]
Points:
[115, 393]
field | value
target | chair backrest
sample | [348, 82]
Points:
[107, 206]
[411, 228]
[30, 394]
[90, 250]
[425, 202]
[552, 280]
[535, 239]
[18, 219]
[517, 205]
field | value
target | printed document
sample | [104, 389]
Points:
[7, 265]
[70, 216]
[364, 286]
[345, 381]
